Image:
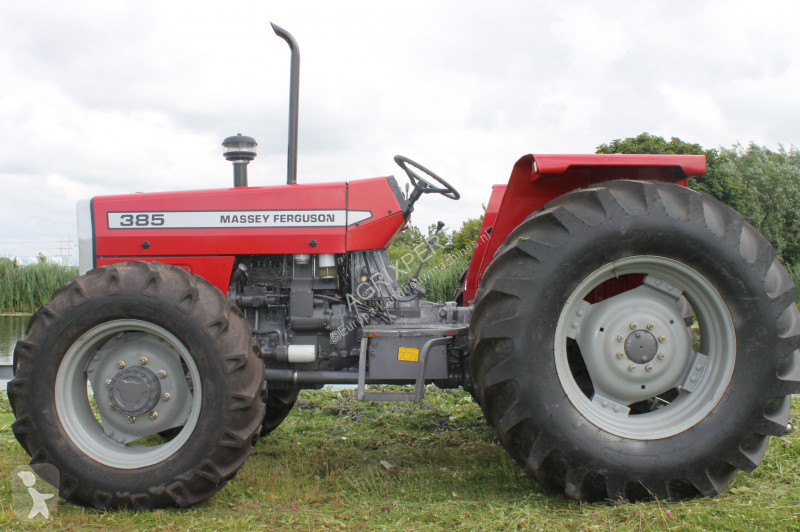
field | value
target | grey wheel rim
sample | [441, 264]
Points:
[639, 352]
[143, 381]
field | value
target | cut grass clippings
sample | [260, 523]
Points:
[340, 464]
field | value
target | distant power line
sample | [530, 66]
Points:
[64, 248]
[15, 242]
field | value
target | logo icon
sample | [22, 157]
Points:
[34, 498]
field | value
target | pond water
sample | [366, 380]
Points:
[12, 328]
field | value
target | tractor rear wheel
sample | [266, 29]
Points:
[636, 340]
[141, 385]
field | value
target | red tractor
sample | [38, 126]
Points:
[625, 336]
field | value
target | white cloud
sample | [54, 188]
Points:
[695, 110]
[100, 97]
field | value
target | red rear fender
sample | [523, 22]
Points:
[536, 180]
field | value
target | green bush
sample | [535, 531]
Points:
[767, 187]
[763, 185]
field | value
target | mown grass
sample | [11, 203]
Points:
[340, 464]
[25, 288]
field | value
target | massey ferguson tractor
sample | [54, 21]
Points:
[626, 337]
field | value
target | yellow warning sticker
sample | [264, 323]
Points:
[408, 354]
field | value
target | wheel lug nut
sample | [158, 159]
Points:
[620, 356]
[662, 356]
[620, 338]
[162, 374]
[153, 415]
[143, 361]
[662, 339]
[108, 383]
[165, 397]
[632, 368]
[131, 420]
[634, 325]
[121, 364]
[650, 326]
[648, 367]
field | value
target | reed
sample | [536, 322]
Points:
[442, 279]
[25, 288]
[440, 275]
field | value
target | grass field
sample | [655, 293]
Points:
[340, 464]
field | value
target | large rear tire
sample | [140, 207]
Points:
[119, 359]
[588, 368]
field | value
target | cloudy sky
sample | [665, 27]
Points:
[114, 97]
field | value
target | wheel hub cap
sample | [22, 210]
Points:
[641, 347]
[134, 391]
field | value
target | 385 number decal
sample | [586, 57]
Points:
[141, 220]
[138, 219]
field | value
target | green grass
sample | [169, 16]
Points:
[340, 464]
[25, 288]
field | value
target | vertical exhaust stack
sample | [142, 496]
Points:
[239, 150]
[294, 94]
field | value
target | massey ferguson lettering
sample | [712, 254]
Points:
[242, 219]
[277, 218]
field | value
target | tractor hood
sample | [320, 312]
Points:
[307, 218]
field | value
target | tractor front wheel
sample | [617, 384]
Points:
[636, 340]
[141, 385]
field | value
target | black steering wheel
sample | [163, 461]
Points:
[422, 185]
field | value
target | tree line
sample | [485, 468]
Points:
[761, 184]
